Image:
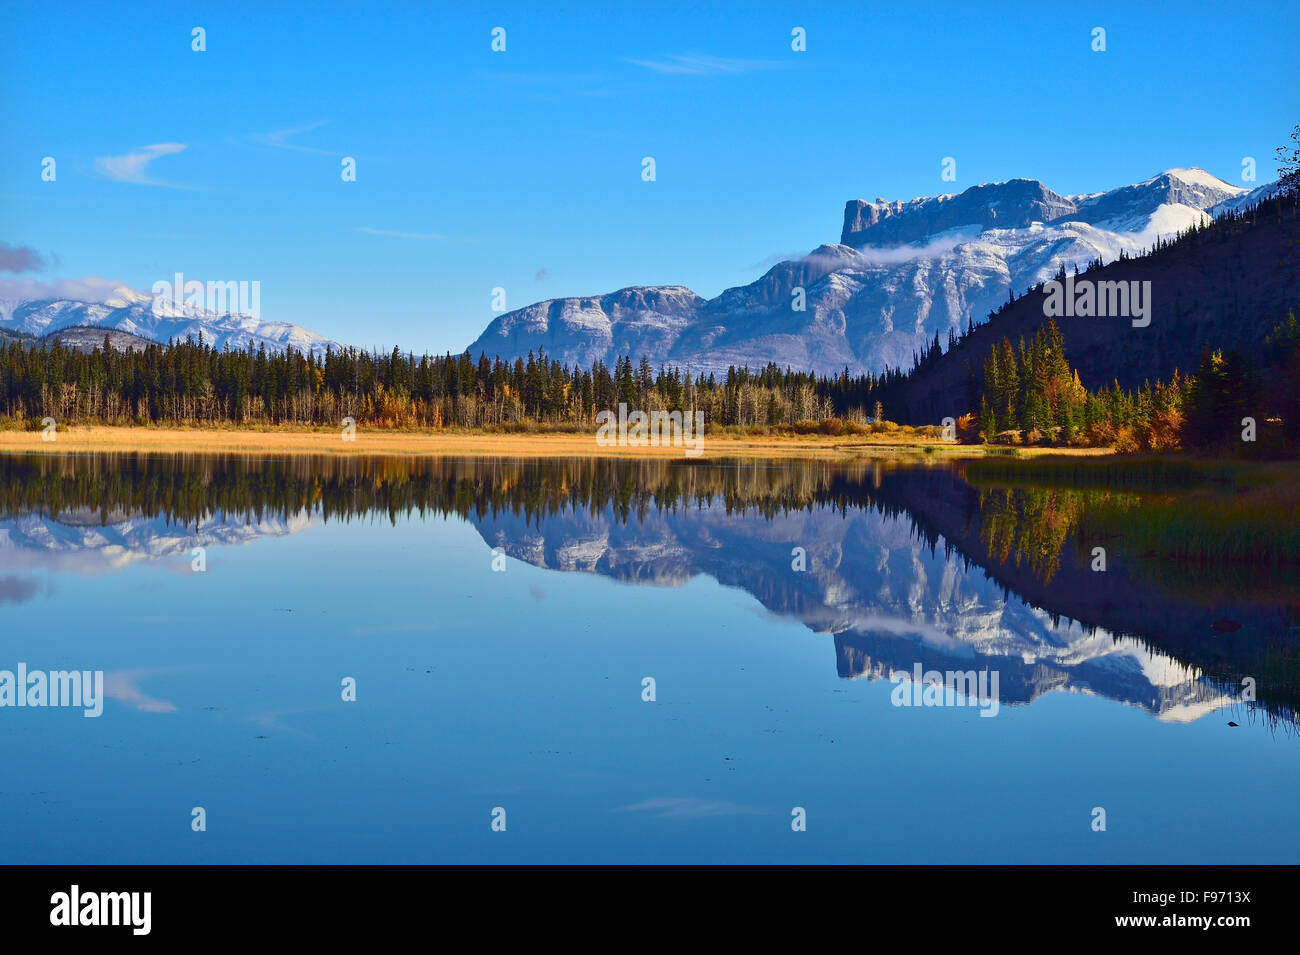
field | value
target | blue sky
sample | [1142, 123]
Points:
[522, 169]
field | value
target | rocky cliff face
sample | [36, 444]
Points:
[1004, 205]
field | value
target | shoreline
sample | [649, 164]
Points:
[105, 438]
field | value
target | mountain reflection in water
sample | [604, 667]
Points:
[903, 565]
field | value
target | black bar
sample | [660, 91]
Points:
[298, 903]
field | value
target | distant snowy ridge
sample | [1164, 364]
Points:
[136, 313]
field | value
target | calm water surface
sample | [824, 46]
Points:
[522, 688]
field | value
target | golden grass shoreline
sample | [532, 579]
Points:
[97, 438]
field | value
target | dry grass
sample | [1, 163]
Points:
[449, 442]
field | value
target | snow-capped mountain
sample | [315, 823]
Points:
[901, 272]
[1246, 199]
[136, 313]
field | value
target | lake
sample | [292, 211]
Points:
[329, 659]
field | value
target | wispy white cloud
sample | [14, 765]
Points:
[90, 289]
[764, 264]
[428, 236]
[682, 807]
[702, 64]
[124, 686]
[872, 256]
[274, 720]
[941, 244]
[280, 139]
[134, 166]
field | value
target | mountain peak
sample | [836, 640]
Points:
[123, 297]
[1196, 176]
[1012, 204]
[1134, 208]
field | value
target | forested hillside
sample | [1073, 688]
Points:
[1224, 287]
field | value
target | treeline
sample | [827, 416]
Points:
[1031, 395]
[192, 383]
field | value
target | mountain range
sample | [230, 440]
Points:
[135, 313]
[900, 273]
